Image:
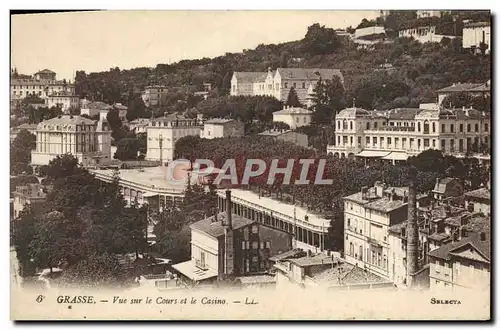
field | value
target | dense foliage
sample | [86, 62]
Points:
[20, 152]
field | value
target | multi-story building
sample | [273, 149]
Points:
[152, 95]
[446, 188]
[308, 270]
[164, 132]
[368, 215]
[474, 34]
[220, 128]
[279, 82]
[293, 116]
[42, 84]
[479, 200]
[228, 244]
[299, 139]
[428, 13]
[139, 125]
[89, 141]
[31, 195]
[370, 36]
[470, 89]
[462, 264]
[92, 109]
[310, 228]
[65, 100]
[399, 133]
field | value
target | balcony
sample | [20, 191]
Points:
[201, 265]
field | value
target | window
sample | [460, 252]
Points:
[268, 245]
[468, 128]
[486, 127]
[255, 245]
[382, 141]
[396, 142]
[359, 140]
[303, 85]
[374, 140]
[418, 127]
[433, 127]
[245, 234]
[351, 139]
[389, 141]
[286, 85]
[350, 125]
[243, 245]
[338, 140]
[368, 125]
[433, 143]
[375, 125]
[443, 144]
[460, 145]
[255, 229]
[338, 124]
[461, 128]
[426, 143]
[476, 127]
[367, 140]
[452, 128]
[255, 259]
[452, 145]
[443, 128]
[262, 245]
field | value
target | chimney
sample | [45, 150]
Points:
[379, 189]
[412, 228]
[393, 194]
[229, 216]
[364, 192]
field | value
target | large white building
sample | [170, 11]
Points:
[311, 228]
[475, 33]
[368, 215]
[44, 85]
[279, 82]
[221, 128]
[399, 133]
[89, 141]
[164, 132]
[293, 116]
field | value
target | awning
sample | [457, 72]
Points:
[189, 269]
[370, 153]
[396, 156]
[150, 194]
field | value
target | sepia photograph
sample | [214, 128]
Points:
[250, 165]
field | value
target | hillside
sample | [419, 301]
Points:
[418, 69]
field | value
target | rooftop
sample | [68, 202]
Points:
[309, 73]
[153, 177]
[482, 246]
[250, 77]
[353, 113]
[402, 113]
[215, 226]
[67, 120]
[483, 193]
[295, 253]
[98, 106]
[318, 259]
[344, 273]
[466, 87]
[293, 111]
[440, 186]
[218, 121]
[276, 132]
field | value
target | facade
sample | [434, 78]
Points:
[92, 109]
[370, 36]
[279, 82]
[164, 132]
[294, 117]
[139, 125]
[396, 134]
[465, 264]
[151, 96]
[423, 34]
[89, 141]
[227, 244]
[476, 33]
[310, 228]
[64, 100]
[287, 136]
[43, 84]
[368, 215]
[471, 89]
[428, 13]
[31, 195]
[148, 185]
[479, 200]
[220, 128]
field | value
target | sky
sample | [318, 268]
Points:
[98, 41]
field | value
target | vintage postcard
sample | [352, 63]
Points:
[251, 165]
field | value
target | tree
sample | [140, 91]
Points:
[320, 40]
[292, 99]
[136, 108]
[284, 60]
[126, 149]
[327, 99]
[97, 270]
[20, 152]
[61, 167]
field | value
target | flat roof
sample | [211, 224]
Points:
[153, 177]
[189, 269]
